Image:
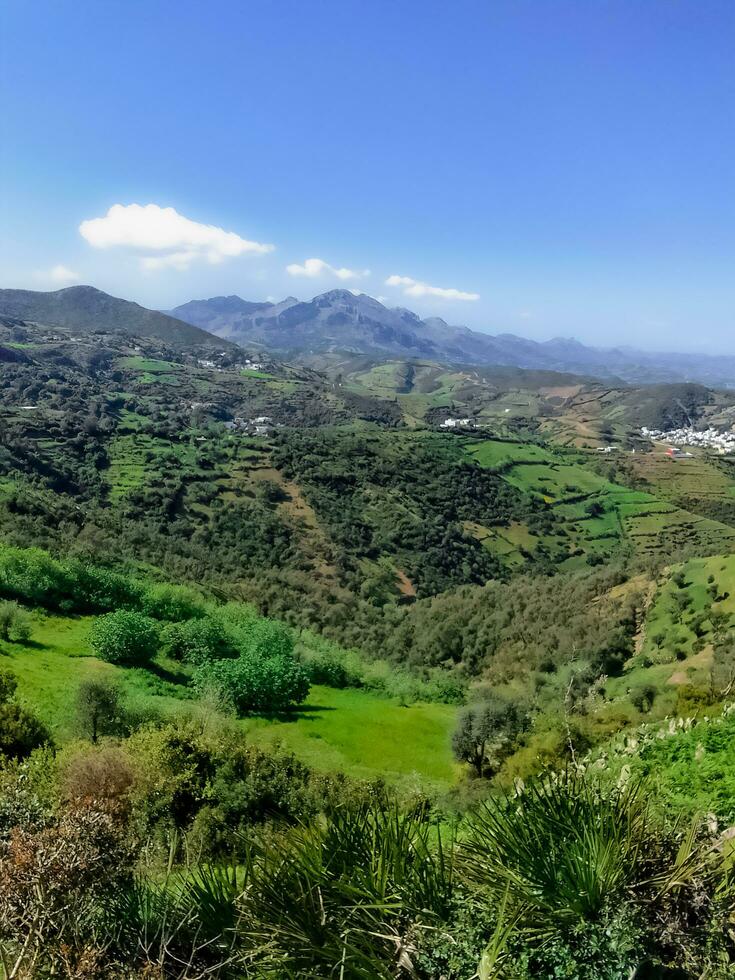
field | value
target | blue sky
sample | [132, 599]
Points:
[569, 163]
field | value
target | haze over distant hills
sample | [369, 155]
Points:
[84, 309]
[340, 321]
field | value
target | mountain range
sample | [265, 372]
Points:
[339, 321]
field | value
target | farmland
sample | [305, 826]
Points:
[599, 515]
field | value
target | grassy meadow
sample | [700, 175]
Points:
[350, 730]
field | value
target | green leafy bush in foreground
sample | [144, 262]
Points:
[20, 731]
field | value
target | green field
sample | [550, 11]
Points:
[352, 731]
[365, 735]
[148, 365]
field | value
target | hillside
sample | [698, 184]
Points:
[291, 488]
[339, 321]
[84, 310]
[250, 610]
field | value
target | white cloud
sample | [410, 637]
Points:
[179, 240]
[412, 287]
[313, 268]
[61, 275]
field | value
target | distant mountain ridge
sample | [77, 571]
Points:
[84, 309]
[341, 321]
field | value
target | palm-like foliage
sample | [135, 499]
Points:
[336, 899]
[183, 925]
[561, 851]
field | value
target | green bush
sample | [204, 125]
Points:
[20, 731]
[251, 683]
[15, 626]
[264, 638]
[172, 603]
[197, 640]
[71, 585]
[124, 637]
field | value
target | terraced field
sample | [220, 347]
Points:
[131, 455]
[597, 515]
[695, 601]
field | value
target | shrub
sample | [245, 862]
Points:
[124, 637]
[20, 731]
[643, 696]
[325, 667]
[172, 603]
[264, 638]
[252, 683]
[197, 640]
[101, 775]
[52, 881]
[15, 626]
[561, 851]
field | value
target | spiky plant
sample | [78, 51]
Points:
[337, 898]
[182, 926]
[560, 852]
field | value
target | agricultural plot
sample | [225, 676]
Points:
[135, 455]
[594, 514]
[696, 601]
[510, 405]
[147, 365]
[150, 371]
[699, 479]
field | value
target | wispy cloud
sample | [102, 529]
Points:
[59, 275]
[412, 287]
[175, 240]
[314, 268]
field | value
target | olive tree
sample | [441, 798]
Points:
[486, 731]
[99, 708]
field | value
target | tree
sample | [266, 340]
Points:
[124, 637]
[263, 638]
[486, 731]
[197, 640]
[722, 670]
[99, 709]
[14, 623]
